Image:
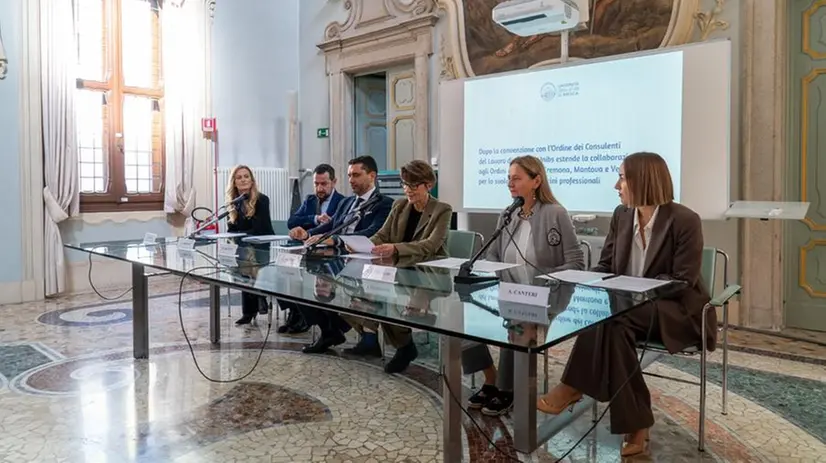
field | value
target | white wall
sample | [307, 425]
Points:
[255, 45]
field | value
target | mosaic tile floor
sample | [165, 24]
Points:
[70, 391]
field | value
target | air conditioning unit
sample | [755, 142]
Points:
[531, 17]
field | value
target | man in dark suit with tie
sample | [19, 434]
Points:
[361, 172]
[317, 209]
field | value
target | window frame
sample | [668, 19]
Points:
[113, 89]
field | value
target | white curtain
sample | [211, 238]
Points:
[60, 169]
[184, 29]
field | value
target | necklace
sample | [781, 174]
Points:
[525, 215]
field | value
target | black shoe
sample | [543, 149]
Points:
[245, 320]
[482, 397]
[324, 343]
[298, 328]
[365, 349]
[401, 360]
[500, 404]
[293, 317]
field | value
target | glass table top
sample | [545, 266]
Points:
[414, 296]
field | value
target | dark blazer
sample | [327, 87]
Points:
[430, 237]
[304, 217]
[259, 224]
[675, 253]
[369, 224]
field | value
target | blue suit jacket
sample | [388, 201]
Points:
[304, 217]
[369, 224]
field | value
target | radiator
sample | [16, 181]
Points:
[273, 182]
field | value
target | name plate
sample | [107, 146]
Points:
[524, 294]
[524, 313]
[186, 244]
[227, 260]
[227, 250]
[379, 273]
[150, 239]
[186, 254]
[286, 259]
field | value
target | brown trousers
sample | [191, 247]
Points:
[396, 336]
[604, 358]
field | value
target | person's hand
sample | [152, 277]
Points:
[312, 240]
[298, 233]
[323, 218]
[384, 250]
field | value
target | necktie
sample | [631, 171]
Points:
[318, 205]
[356, 205]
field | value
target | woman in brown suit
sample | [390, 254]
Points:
[652, 237]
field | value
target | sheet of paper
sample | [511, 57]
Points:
[362, 256]
[289, 248]
[489, 266]
[218, 236]
[626, 283]
[265, 238]
[450, 262]
[576, 276]
[358, 244]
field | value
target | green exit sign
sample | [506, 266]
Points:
[323, 133]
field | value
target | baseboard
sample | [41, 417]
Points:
[15, 292]
[106, 274]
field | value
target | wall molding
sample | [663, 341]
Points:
[97, 218]
[396, 34]
[31, 155]
[107, 275]
[764, 150]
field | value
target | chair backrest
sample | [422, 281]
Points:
[461, 243]
[280, 227]
[709, 268]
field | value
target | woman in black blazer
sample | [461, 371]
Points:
[252, 217]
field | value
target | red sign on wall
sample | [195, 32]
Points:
[208, 124]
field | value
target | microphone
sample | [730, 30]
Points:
[465, 277]
[218, 217]
[517, 203]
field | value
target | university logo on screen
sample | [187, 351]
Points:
[549, 91]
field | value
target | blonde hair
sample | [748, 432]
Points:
[232, 193]
[648, 179]
[534, 167]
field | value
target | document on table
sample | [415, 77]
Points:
[626, 283]
[479, 266]
[362, 256]
[218, 236]
[265, 238]
[358, 244]
[576, 276]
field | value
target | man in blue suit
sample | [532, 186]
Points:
[319, 208]
[361, 172]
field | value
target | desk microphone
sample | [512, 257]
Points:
[218, 217]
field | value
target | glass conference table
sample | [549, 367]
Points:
[419, 297]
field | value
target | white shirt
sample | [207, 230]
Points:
[522, 238]
[352, 228]
[639, 250]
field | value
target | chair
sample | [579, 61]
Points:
[721, 300]
[462, 244]
[280, 227]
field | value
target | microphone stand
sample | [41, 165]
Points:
[465, 277]
[208, 224]
[355, 218]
